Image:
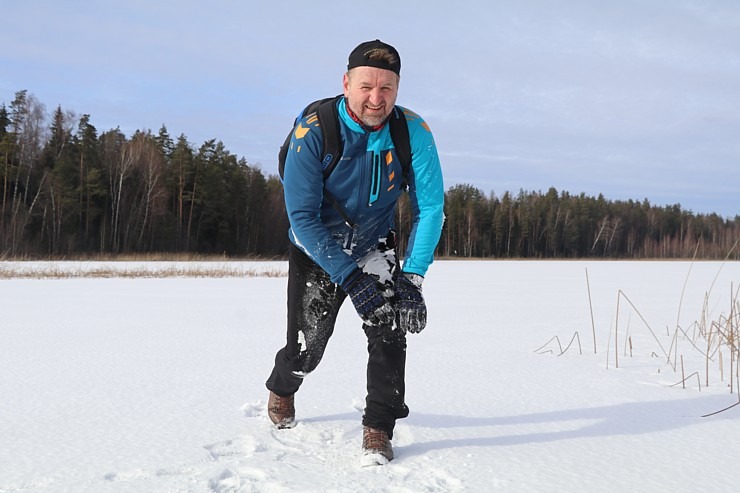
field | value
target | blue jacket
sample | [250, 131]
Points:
[367, 183]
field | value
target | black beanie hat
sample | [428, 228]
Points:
[365, 56]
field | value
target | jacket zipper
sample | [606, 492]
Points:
[375, 182]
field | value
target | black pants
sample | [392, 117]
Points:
[313, 305]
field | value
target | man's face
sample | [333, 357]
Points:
[371, 93]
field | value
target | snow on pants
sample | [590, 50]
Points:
[313, 305]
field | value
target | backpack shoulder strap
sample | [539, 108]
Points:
[329, 122]
[401, 141]
[333, 147]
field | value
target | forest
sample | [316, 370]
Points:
[69, 191]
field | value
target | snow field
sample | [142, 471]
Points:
[157, 385]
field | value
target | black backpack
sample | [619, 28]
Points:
[326, 112]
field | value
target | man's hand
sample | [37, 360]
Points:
[409, 303]
[366, 294]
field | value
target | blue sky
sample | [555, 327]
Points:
[634, 99]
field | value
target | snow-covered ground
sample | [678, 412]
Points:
[157, 385]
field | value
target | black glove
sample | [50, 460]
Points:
[409, 303]
[366, 294]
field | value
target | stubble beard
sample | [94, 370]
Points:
[374, 121]
[371, 120]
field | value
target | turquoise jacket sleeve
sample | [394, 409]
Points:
[426, 191]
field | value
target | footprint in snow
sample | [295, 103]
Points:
[254, 409]
[239, 447]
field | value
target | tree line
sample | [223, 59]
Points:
[68, 190]
[560, 225]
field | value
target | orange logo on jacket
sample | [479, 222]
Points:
[388, 161]
[301, 131]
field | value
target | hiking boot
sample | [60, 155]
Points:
[281, 410]
[376, 447]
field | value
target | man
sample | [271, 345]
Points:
[343, 243]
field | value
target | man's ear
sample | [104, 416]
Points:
[345, 84]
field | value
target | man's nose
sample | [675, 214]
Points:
[376, 96]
